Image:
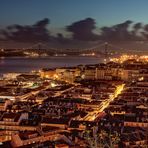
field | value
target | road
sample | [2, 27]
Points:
[91, 116]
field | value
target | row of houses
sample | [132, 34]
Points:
[109, 71]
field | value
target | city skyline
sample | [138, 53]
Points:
[73, 74]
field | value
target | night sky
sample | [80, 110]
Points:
[63, 22]
[64, 12]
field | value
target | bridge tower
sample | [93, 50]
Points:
[39, 46]
[105, 52]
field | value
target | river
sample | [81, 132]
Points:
[24, 64]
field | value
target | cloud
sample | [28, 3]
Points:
[117, 32]
[145, 31]
[127, 31]
[28, 33]
[83, 30]
[137, 26]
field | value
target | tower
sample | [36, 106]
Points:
[105, 52]
[39, 46]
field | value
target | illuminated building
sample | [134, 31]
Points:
[49, 73]
[89, 73]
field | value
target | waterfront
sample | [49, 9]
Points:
[22, 64]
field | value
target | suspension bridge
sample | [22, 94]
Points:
[101, 48]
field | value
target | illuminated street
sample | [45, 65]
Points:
[93, 115]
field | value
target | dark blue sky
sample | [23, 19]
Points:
[64, 12]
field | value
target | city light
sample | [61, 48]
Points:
[124, 58]
[53, 84]
[74, 74]
[141, 78]
[56, 76]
